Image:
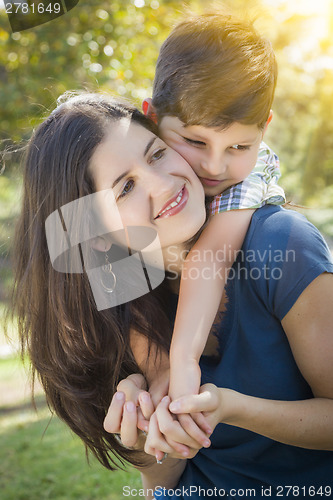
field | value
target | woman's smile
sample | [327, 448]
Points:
[175, 205]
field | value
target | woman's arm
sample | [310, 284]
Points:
[165, 475]
[307, 423]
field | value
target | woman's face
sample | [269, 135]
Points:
[152, 184]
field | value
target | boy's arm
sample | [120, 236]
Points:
[204, 276]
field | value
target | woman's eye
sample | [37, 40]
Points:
[239, 147]
[129, 185]
[158, 155]
[194, 143]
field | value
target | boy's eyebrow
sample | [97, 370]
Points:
[194, 134]
[149, 145]
[199, 137]
[147, 148]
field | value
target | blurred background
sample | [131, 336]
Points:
[113, 45]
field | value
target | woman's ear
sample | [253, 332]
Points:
[149, 110]
[100, 244]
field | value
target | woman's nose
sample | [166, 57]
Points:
[160, 183]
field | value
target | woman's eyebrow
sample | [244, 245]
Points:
[147, 148]
[121, 176]
[149, 145]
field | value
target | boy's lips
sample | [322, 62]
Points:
[210, 182]
[174, 205]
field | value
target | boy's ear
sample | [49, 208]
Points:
[100, 244]
[269, 119]
[149, 110]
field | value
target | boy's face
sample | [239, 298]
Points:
[220, 158]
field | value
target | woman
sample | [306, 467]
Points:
[279, 368]
[80, 354]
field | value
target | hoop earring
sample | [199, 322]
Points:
[109, 280]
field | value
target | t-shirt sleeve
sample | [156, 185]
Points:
[290, 253]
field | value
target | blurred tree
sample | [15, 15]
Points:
[303, 124]
[110, 45]
[318, 170]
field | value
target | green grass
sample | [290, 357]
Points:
[41, 459]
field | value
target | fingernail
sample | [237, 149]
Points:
[119, 395]
[166, 399]
[209, 431]
[144, 397]
[185, 453]
[175, 406]
[130, 406]
[206, 443]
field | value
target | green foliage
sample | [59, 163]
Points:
[107, 45]
[302, 127]
[10, 187]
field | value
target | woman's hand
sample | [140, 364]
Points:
[130, 409]
[125, 418]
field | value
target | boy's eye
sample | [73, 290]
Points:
[239, 147]
[157, 155]
[194, 143]
[129, 185]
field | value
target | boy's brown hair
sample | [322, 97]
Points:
[214, 70]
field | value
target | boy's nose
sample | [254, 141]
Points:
[214, 166]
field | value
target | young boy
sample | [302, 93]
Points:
[213, 90]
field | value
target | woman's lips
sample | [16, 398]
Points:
[210, 182]
[175, 204]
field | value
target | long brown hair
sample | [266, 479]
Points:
[78, 353]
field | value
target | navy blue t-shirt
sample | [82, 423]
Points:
[281, 255]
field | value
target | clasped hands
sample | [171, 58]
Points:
[133, 410]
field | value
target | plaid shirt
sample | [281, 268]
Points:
[258, 189]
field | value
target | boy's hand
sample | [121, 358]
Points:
[166, 434]
[209, 402]
[185, 381]
[191, 435]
